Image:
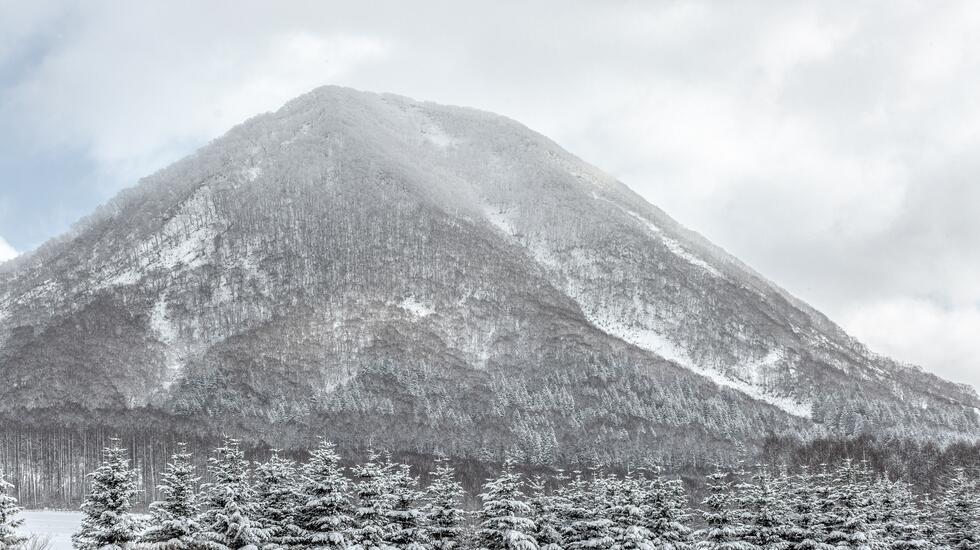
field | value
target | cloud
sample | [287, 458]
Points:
[923, 333]
[7, 252]
[148, 84]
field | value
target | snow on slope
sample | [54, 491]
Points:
[645, 335]
[674, 246]
[652, 340]
[416, 308]
[185, 242]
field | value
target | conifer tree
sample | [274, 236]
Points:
[805, 532]
[587, 526]
[106, 524]
[829, 501]
[405, 518]
[232, 528]
[960, 509]
[324, 516]
[929, 527]
[372, 530]
[277, 497]
[724, 531]
[854, 498]
[767, 518]
[227, 469]
[503, 520]
[550, 511]
[888, 508]
[9, 520]
[627, 514]
[909, 527]
[174, 518]
[229, 522]
[443, 515]
[665, 504]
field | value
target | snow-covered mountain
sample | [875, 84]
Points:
[422, 277]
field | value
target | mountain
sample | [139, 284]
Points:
[428, 278]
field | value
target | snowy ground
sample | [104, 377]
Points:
[57, 525]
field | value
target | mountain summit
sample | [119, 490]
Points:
[435, 279]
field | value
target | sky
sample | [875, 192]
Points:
[833, 146]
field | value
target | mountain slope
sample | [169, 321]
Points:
[429, 278]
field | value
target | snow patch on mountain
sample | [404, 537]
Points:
[123, 278]
[682, 252]
[438, 137]
[416, 308]
[789, 405]
[655, 341]
[499, 219]
[252, 173]
[186, 240]
[537, 248]
[675, 246]
[646, 223]
[190, 251]
[160, 324]
[755, 371]
[647, 337]
[431, 132]
[168, 334]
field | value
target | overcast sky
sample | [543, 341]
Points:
[835, 147]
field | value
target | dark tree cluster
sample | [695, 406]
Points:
[48, 465]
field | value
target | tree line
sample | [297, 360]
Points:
[379, 504]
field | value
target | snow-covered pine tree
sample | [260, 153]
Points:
[885, 514]
[443, 515]
[587, 525]
[174, 518]
[373, 489]
[227, 468]
[324, 516]
[910, 523]
[876, 496]
[9, 512]
[549, 510]
[503, 519]
[405, 518]
[828, 509]
[229, 522]
[801, 492]
[926, 513]
[724, 531]
[106, 524]
[277, 497]
[960, 507]
[233, 529]
[766, 518]
[743, 492]
[665, 504]
[850, 495]
[627, 513]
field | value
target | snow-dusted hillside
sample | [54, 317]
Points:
[429, 278]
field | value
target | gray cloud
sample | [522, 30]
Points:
[831, 145]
